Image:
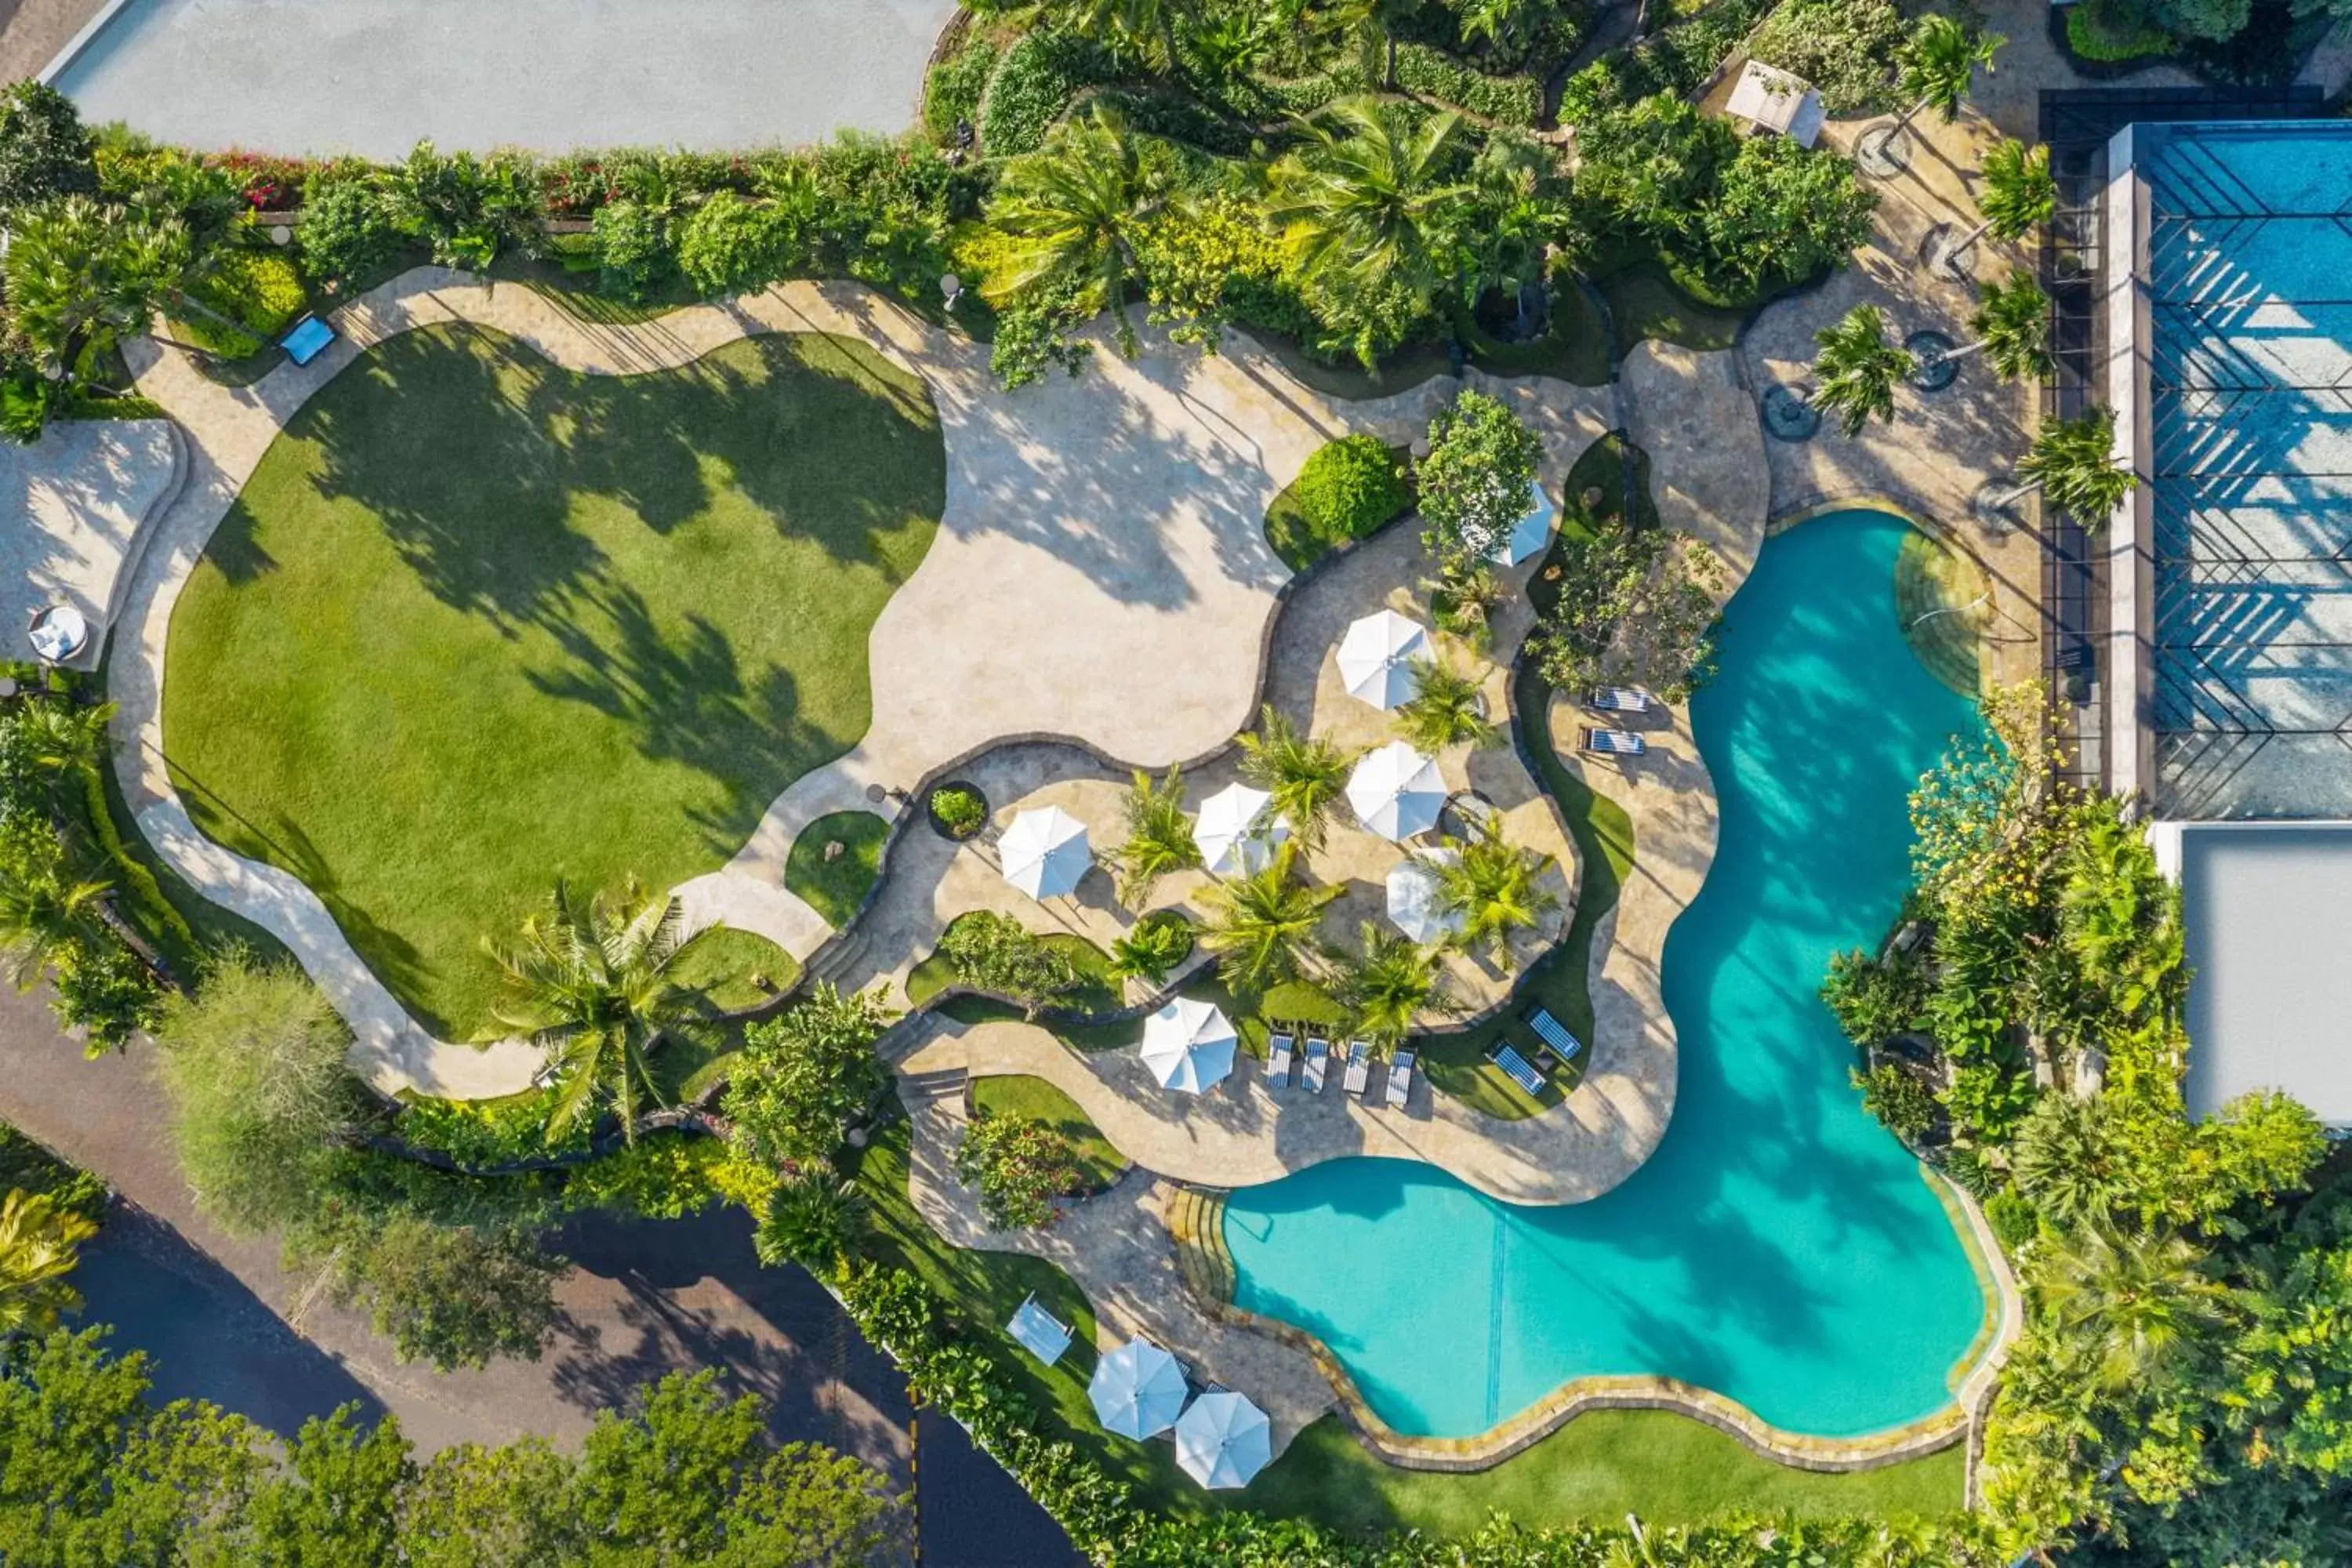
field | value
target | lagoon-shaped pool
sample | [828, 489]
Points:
[1780, 1247]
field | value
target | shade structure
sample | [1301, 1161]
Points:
[1376, 657]
[1041, 1333]
[1188, 1044]
[1045, 852]
[1415, 906]
[1224, 1440]
[1138, 1390]
[1396, 792]
[1236, 831]
[1530, 533]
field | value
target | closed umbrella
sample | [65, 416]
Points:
[1530, 533]
[1188, 1044]
[1045, 852]
[1235, 831]
[1396, 792]
[1416, 905]
[1376, 657]
[1138, 1390]
[1224, 1440]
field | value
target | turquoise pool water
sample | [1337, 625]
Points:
[1780, 1247]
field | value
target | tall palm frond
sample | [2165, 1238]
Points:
[1389, 984]
[1495, 886]
[1304, 773]
[1856, 371]
[1372, 196]
[39, 1247]
[1262, 927]
[1158, 835]
[1073, 210]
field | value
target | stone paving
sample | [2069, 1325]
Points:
[79, 500]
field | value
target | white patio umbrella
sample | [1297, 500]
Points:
[1376, 659]
[1530, 533]
[1045, 852]
[1138, 1390]
[1188, 1044]
[1396, 792]
[1224, 1440]
[1236, 833]
[1415, 906]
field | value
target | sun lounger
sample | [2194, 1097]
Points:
[1318, 1051]
[1399, 1080]
[1614, 743]
[308, 340]
[1516, 1065]
[1359, 1067]
[1278, 1062]
[1617, 700]
[1554, 1033]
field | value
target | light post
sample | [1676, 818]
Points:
[951, 288]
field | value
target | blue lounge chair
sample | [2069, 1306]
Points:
[1318, 1051]
[308, 340]
[1617, 700]
[1360, 1067]
[1554, 1033]
[1399, 1080]
[1511, 1062]
[1614, 743]
[1278, 1062]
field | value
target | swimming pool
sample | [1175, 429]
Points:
[1780, 1247]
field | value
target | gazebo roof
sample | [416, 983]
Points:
[1772, 99]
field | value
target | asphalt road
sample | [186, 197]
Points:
[222, 1320]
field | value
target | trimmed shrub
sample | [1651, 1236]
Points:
[953, 90]
[958, 810]
[259, 289]
[632, 245]
[348, 228]
[1033, 84]
[1348, 490]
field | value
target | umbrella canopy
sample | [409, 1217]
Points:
[1235, 831]
[1045, 852]
[1396, 792]
[1530, 533]
[1224, 1440]
[1188, 1045]
[1376, 659]
[1414, 905]
[1138, 1390]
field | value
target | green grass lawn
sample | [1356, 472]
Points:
[478, 623]
[1034, 1100]
[728, 965]
[1644, 301]
[835, 889]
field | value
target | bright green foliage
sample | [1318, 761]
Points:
[1019, 1167]
[1875, 999]
[478, 1133]
[259, 289]
[45, 152]
[728, 244]
[1074, 213]
[81, 276]
[1857, 370]
[835, 887]
[2011, 323]
[1152, 948]
[39, 1241]
[1389, 983]
[2075, 463]
[1348, 488]
[633, 252]
[2020, 195]
[1841, 47]
[953, 89]
[1477, 480]
[814, 1220]
[1264, 927]
[1937, 63]
[1158, 835]
[1780, 213]
[1496, 885]
[468, 209]
[1304, 773]
[1899, 1101]
[996, 954]
[958, 808]
[348, 228]
[1034, 83]
[1635, 606]
[1447, 707]
[802, 1077]
[1204, 260]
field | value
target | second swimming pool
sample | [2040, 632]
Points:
[1780, 1247]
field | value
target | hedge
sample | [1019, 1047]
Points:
[1032, 85]
[1507, 100]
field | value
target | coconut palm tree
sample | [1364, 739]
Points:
[2012, 324]
[1492, 884]
[1447, 707]
[2019, 193]
[38, 1246]
[1391, 982]
[1262, 927]
[1158, 835]
[1304, 774]
[43, 913]
[1073, 210]
[1501, 23]
[592, 985]
[82, 275]
[1372, 196]
[1145, 30]
[2075, 466]
[2142, 1304]
[1936, 67]
[813, 1220]
[1856, 372]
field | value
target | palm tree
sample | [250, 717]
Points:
[1073, 211]
[2063, 1162]
[592, 985]
[1371, 197]
[1262, 927]
[1304, 774]
[1937, 66]
[38, 1243]
[1391, 983]
[2142, 1304]
[1492, 884]
[2013, 328]
[813, 1220]
[2073, 464]
[2019, 193]
[1857, 369]
[1145, 27]
[1447, 707]
[1502, 23]
[81, 274]
[42, 915]
[1158, 835]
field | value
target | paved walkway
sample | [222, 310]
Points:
[78, 500]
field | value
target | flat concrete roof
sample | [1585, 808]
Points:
[2268, 907]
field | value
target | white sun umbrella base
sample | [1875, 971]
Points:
[1224, 1440]
[1045, 852]
[1138, 1390]
[1376, 659]
[1530, 533]
[1188, 1044]
[1415, 904]
[1236, 831]
[1396, 792]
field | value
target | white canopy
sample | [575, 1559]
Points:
[1224, 1440]
[1396, 792]
[1138, 1390]
[1236, 833]
[1045, 852]
[1041, 1333]
[1770, 99]
[1188, 1044]
[1530, 533]
[1415, 906]
[1376, 659]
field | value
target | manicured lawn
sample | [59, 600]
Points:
[727, 966]
[1034, 1100]
[835, 889]
[1645, 303]
[478, 623]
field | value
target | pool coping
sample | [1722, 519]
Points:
[79, 44]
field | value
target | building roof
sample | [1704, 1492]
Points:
[1772, 99]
